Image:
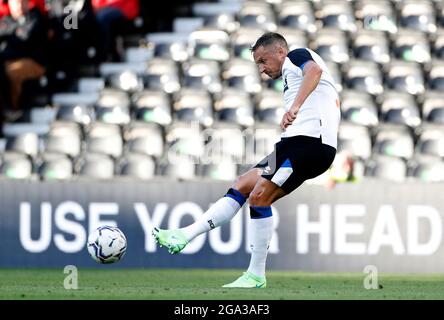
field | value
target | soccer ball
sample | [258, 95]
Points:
[107, 244]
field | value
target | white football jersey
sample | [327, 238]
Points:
[319, 115]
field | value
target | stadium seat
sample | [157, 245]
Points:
[136, 165]
[169, 45]
[417, 15]
[162, 74]
[295, 38]
[243, 75]
[405, 77]
[219, 15]
[224, 143]
[69, 98]
[16, 166]
[297, 15]
[394, 141]
[371, 45]
[433, 107]
[234, 106]
[359, 108]
[386, 168]
[139, 54]
[335, 72]
[25, 143]
[243, 39]
[127, 81]
[185, 169]
[431, 141]
[426, 168]
[209, 43]
[355, 139]
[152, 106]
[258, 15]
[436, 76]
[337, 14]
[193, 105]
[55, 166]
[184, 141]
[401, 108]
[438, 44]
[364, 76]
[331, 45]
[144, 138]
[202, 74]
[262, 143]
[113, 107]
[376, 15]
[64, 138]
[108, 68]
[95, 166]
[223, 171]
[411, 45]
[269, 107]
[104, 138]
[81, 114]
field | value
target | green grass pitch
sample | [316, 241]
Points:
[197, 284]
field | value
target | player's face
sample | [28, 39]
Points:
[269, 60]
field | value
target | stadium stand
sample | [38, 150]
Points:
[92, 116]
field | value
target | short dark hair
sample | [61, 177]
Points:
[269, 38]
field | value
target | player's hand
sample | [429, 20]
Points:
[288, 119]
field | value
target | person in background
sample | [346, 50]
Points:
[23, 41]
[342, 170]
[110, 12]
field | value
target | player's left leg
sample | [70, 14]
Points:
[263, 195]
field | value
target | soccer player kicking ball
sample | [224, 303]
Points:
[306, 149]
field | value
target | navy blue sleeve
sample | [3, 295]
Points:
[300, 57]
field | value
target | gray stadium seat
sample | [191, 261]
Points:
[433, 107]
[16, 166]
[257, 14]
[269, 107]
[55, 166]
[181, 170]
[359, 108]
[386, 168]
[225, 143]
[184, 140]
[243, 75]
[376, 15]
[401, 108]
[162, 74]
[417, 15]
[169, 45]
[337, 14]
[411, 45]
[431, 141]
[209, 43]
[364, 76]
[127, 80]
[405, 77]
[243, 39]
[64, 138]
[335, 72]
[426, 168]
[106, 139]
[145, 138]
[331, 45]
[138, 166]
[193, 105]
[355, 139]
[202, 74]
[139, 54]
[81, 114]
[113, 107]
[395, 141]
[371, 45]
[96, 166]
[152, 106]
[297, 15]
[90, 85]
[218, 15]
[234, 106]
[436, 76]
[438, 43]
[25, 143]
[224, 171]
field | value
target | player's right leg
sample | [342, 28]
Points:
[219, 213]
